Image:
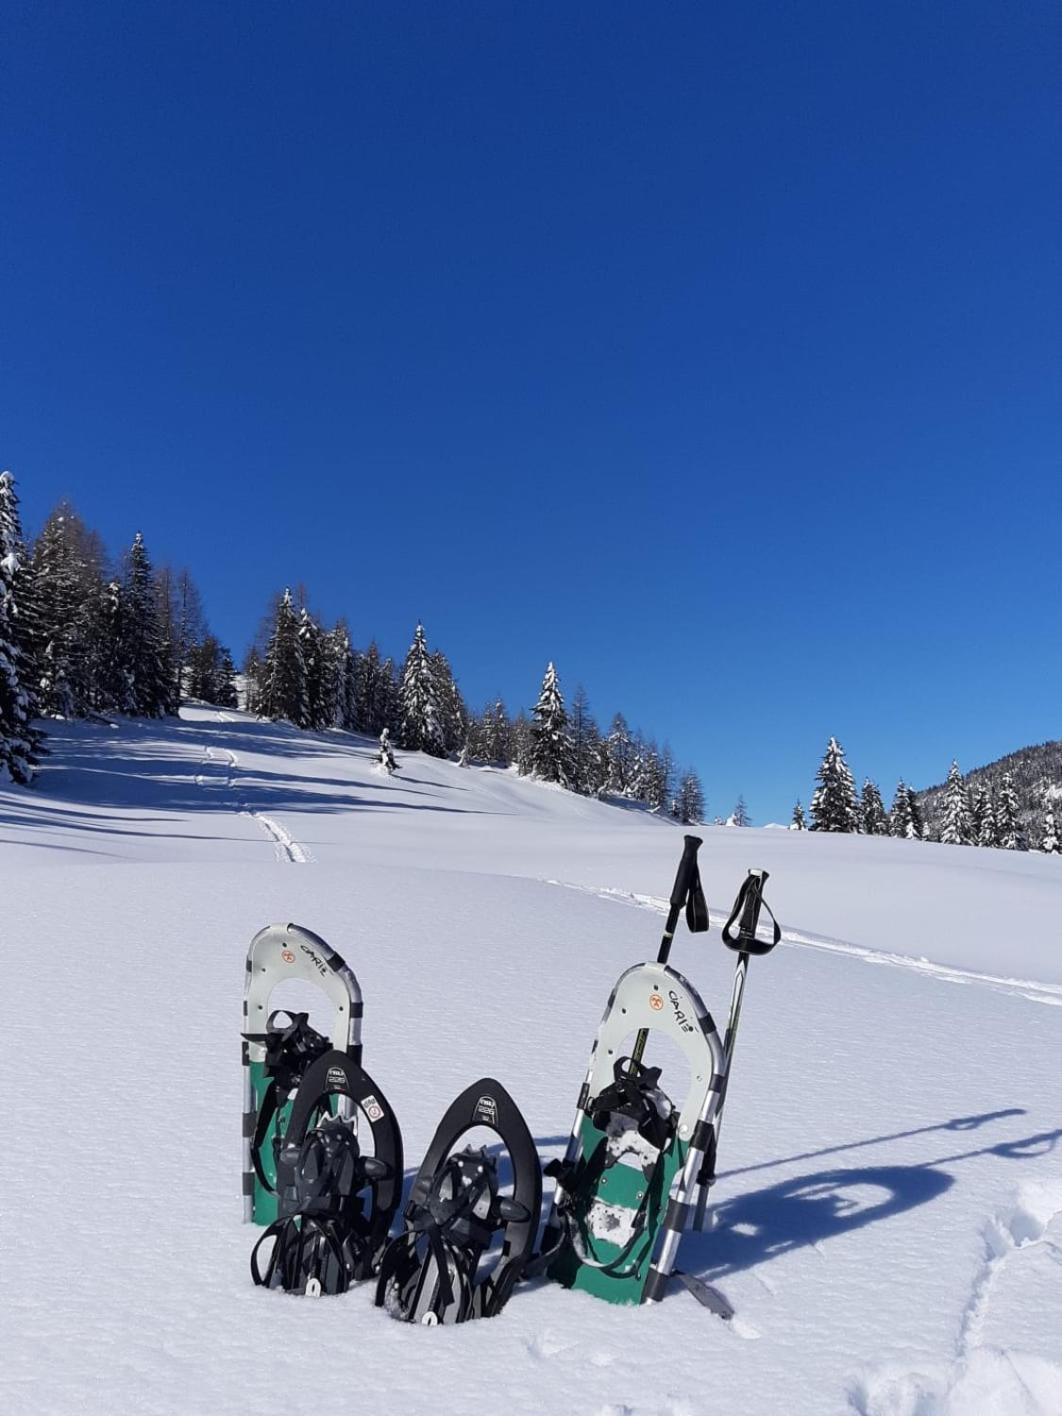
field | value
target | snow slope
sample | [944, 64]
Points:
[890, 1223]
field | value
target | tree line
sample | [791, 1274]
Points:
[82, 635]
[960, 813]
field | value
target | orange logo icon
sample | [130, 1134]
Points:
[656, 1002]
[288, 956]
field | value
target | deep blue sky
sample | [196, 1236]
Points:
[714, 352]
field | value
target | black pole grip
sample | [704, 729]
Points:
[686, 871]
[746, 914]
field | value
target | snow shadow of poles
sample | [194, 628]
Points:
[765, 1224]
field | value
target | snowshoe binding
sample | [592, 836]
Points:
[430, 1273]
[336, 1204]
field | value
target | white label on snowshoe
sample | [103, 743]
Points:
[487, 1108]
[373, 1110]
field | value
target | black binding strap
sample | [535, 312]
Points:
[290, 1049]
[336, 1205]
[429, 1273]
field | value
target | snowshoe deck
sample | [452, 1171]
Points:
[273, 1065]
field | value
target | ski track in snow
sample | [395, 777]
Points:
[285, 846]
[1046, 993]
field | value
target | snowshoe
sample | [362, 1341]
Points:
[430, 1273]
[336, 1205]
[629, 1177]
[279, 1047]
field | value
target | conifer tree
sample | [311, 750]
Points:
[20, 741]
[690, 798]
[551, 746]
[875, 822]
[976, 804]
[376, 693]
[833, 806]
[989, 834]
[282, 694]
[453, 713]
[1049, 836]
[342, 678]
[914, 815]
[955, 827]
[799, 822]
[69, 607]
[900, 822]
[420, 719]
[210, 673]
[151, 679]
[740, 815]
[253, 674]
[319, 686]
[1008, 822]
[584, 736]
[520, 740]
[620, 757]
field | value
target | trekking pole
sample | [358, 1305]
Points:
[686, 893]
[746, 915]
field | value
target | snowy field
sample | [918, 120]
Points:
[890, 1203]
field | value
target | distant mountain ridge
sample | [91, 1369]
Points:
[1036, 773]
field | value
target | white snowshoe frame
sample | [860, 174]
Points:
[659, 998]
[278, 953]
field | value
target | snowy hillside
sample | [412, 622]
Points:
[890, 1223]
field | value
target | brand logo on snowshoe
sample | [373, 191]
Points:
[287, 956]
[316, 960]
[487, 1109]
[373, 1110]
[336, 1079]
[655, 1002]
[681, 1017]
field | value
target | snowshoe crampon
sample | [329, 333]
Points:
[629, 1178]
[336, 1204]
[431, 1273]
[279, 1047]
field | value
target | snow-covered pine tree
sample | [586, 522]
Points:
[551, 746]
[320, 712]
[181, 622]
[1049, 835]
[989, 834]
[520, 743]
[282, 682]
[584, 736]
[661, 771]
[453, 712]
[20, 741]
[210, 673]
[900, 823]
[1008, 820]
[833, 806]
[740, 816]
[343, 678]
[620, 757]
[111, 676]
[914, 812]
[976, 801]
[144, 654]
[497, 734]
[253, 676]
[420, 712]
[67, 563]
[375, 692]
[955, 825]
[875, 822]
[690, 798]
[799, 821]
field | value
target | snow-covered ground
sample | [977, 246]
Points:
[890, 1224]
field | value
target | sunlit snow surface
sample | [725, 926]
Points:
[890, 1209]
